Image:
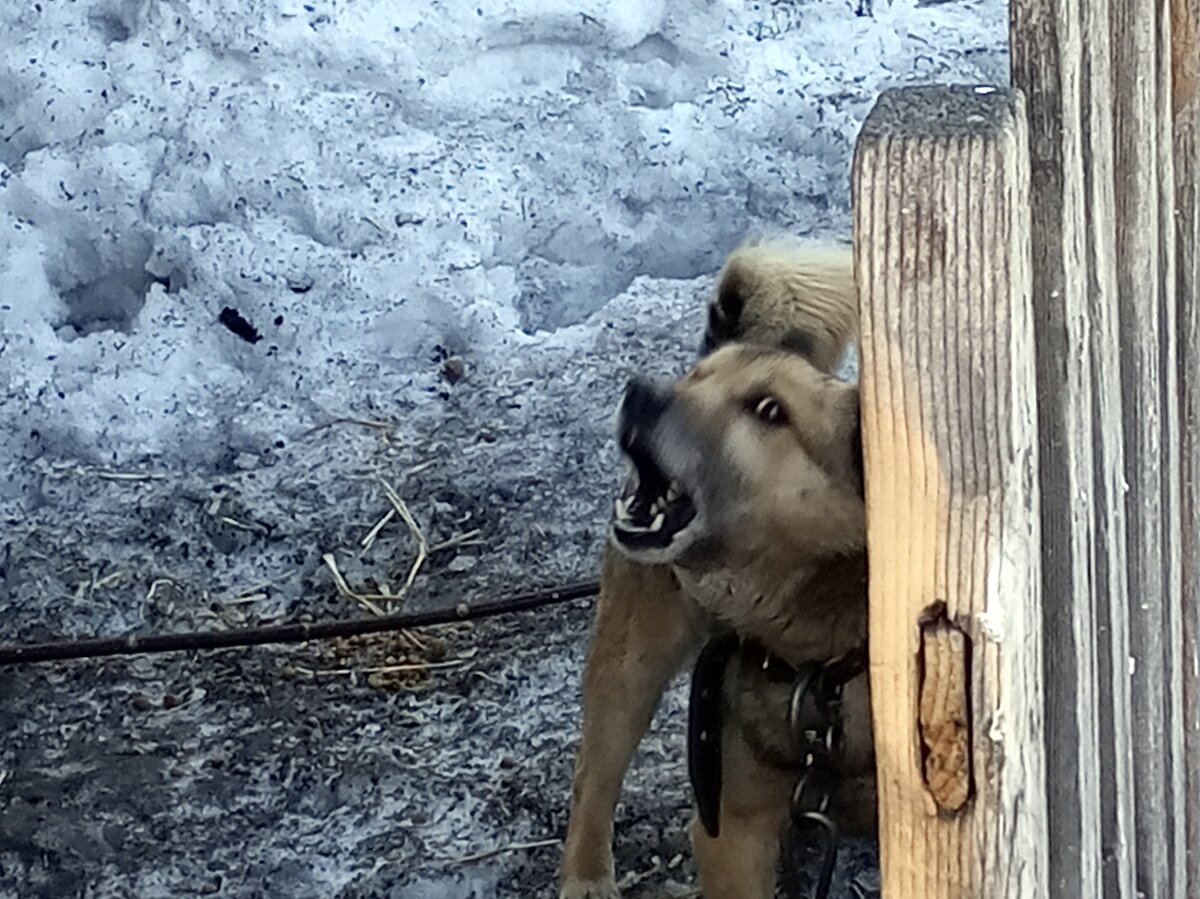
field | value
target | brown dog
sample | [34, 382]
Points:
[745, 513]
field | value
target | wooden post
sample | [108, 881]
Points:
[1089, 736]
[942, 246]
[1144, 191]
[1185, 41]
[1099, 77]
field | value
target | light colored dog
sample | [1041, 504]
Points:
[744, 513]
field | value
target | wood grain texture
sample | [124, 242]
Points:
[1103, 78]
[1145, 255]
[1062, 60]
[949, 425]
[1185, 41]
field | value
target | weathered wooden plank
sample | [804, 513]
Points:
[1061, 57]
[1145, 255]
[1185, 65]
[1100, 76]
[950, 441]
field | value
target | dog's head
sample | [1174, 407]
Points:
[754, 453]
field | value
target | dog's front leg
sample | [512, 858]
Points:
[643, 631]
[742, 861]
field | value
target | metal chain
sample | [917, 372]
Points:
[814, 718]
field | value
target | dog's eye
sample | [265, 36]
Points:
[769, 411]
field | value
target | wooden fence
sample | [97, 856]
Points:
[1031, 406]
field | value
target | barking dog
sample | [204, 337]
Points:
[744, 512]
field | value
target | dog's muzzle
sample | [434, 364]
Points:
[641, 409]
[654, 507]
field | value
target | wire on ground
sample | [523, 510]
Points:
[61, 650]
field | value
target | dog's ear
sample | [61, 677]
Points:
[725, 322]
[725, 312]
[731, 297]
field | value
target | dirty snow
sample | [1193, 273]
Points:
[255, 257]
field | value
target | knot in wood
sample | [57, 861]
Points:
[944, 722]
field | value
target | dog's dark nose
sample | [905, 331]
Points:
[643, 404]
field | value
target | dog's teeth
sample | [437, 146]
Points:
[657, 523]
[619, 508]
[673, 492]
[657, 506]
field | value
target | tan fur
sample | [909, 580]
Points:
[789, 286]
[787, 566]
[644, 630]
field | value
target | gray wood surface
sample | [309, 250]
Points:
[1089, 733]
[1145, 244]
[1115, 340]
[942, 242]
[1185, 23]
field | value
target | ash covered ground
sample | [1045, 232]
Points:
[259, 260]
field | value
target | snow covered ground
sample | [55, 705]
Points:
[256, 257]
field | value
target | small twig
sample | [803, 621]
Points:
[467, 539]
[241, 525]
[413, 641]
[155, 584]
[422, 544]
[85, 591]
[344, 588]
[417, 469]
[364, 422]
[243, 600]
[389, 602]
[378, 669]
[107, 580]
[372, 534]
[501, 850]
[250, 594]
[120, 475]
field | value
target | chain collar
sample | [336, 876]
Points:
[815, 725]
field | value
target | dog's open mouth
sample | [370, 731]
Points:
[654, 508]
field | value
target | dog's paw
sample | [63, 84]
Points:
[589, 889]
